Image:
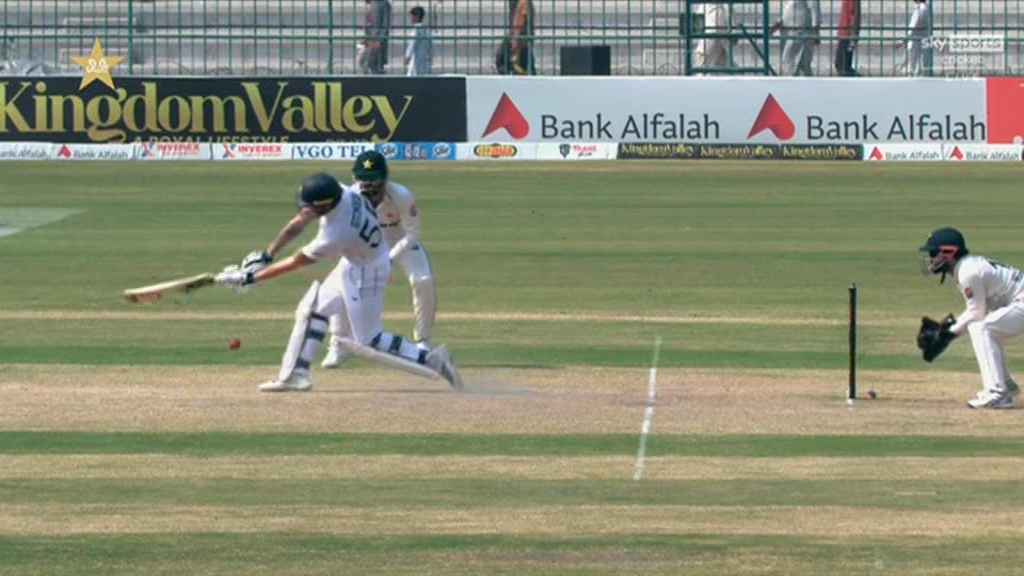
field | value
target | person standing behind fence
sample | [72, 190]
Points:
[419, 53]
[800, 28]
[714, 52]
[849, 33]
[515, 55]
[918, 30]
[372, 55]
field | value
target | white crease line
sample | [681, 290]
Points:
[645, 427]
[146, 313]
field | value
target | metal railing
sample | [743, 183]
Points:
[317, 37]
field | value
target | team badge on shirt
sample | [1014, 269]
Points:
[412, 210]
[968, 293]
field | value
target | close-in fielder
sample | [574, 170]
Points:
[994, 293]
[349, 230]
[399, 218]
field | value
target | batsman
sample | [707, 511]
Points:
[994, 293]
[400, 221]
[349, 234]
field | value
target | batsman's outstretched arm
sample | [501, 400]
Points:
[239, 279]
[294, 262]
[292, 230]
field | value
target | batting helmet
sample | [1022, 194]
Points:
[321, 192]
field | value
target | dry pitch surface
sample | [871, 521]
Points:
[511, 401]
[570, 400]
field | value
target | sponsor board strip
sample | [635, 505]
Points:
[949, 152]
[234, 109]
[729, 111]
[694, 151]
[546, 151]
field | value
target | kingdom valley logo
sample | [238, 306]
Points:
[507, 116]
[773, 118]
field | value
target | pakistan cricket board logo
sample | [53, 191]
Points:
[97, 66]
[564, 150]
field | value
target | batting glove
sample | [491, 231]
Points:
[234, 278]
[256, 260]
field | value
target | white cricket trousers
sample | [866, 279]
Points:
[352, 290]
[356, 292]
[987, 337]
[416, 266]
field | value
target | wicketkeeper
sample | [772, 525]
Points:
[400, 220]
[994, 293]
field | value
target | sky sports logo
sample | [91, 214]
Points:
[967, 55]
[966, 44]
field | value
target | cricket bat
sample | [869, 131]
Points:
[151, 294]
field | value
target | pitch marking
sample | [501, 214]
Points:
[14, 220]
[158, 314]
[645, 427]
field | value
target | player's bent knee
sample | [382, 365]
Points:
[308, 302]
[984, 329]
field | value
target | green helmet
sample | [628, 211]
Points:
[321, 192]
[370, 166]
[942, 250]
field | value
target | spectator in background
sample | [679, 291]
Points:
[918, 30]
[800, 28]
[418, 55]
[372, 53]
[714, 52]
[515, 55]
[849, 32]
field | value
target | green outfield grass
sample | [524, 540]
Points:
[133, 441]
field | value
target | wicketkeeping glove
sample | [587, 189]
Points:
[934, 336]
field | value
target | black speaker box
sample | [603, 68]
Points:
[586, 60]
